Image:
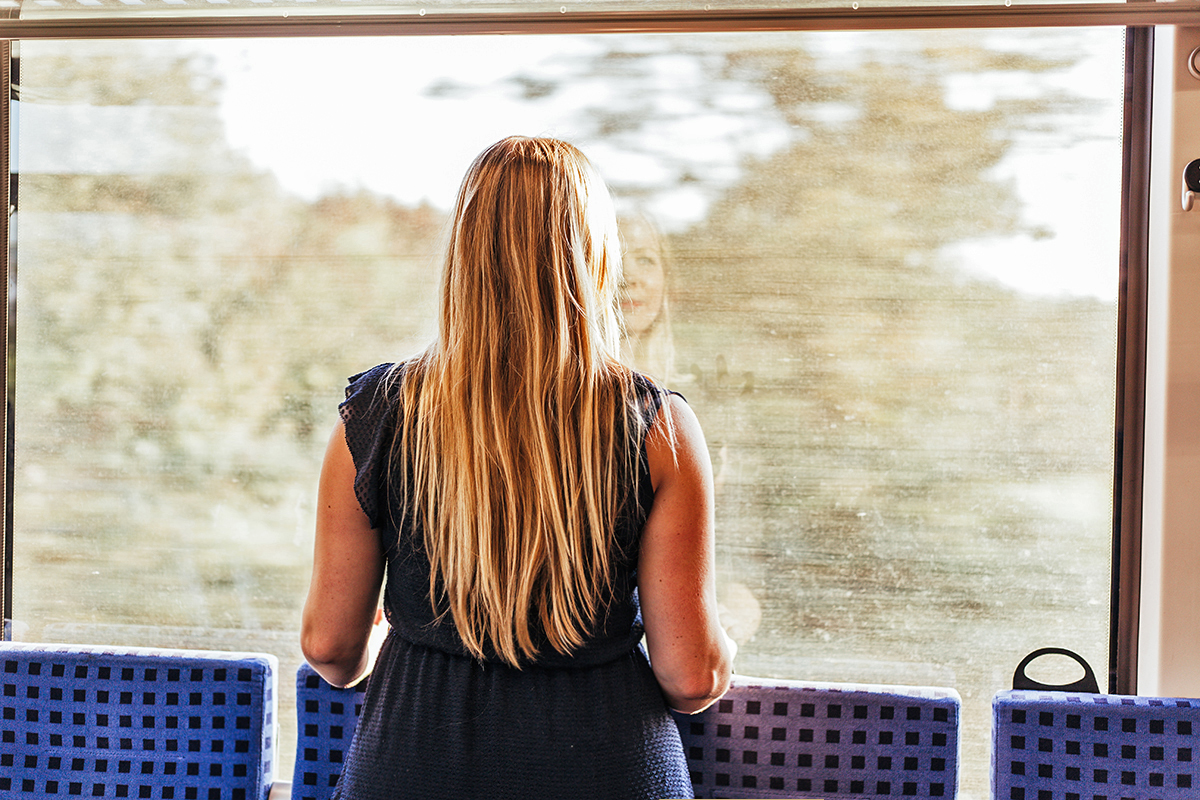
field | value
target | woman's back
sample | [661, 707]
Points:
[372, 401]
[525, 495]
[440, 723]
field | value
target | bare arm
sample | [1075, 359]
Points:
[343, 596]
[689, 652]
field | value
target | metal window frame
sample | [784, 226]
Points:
[295, 21]
[7, 331]
[1130, 416]
[1138, 17]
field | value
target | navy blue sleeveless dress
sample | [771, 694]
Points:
[438, 723]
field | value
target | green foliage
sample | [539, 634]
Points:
[93, 73]
[183, 342]
[904, 455]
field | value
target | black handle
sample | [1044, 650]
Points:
[1191, 176]
[1085, 684]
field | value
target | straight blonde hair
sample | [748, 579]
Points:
[517, 442]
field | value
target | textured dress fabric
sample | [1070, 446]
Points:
[439, 723]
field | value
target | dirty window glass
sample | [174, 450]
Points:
[861, 257]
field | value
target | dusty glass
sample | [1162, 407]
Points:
[881, 267]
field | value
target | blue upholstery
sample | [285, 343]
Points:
[135, 722]
[834, 740]
[768, 738]
[327, 717]
[1071, 746]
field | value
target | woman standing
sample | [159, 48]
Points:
[532, 508]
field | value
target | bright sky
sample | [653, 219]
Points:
[326, 113]
[329, 113]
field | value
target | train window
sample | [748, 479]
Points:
[882, 267]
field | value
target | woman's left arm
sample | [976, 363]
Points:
[343, 596]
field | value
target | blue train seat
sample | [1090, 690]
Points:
[326, 717]
[763, 739]
[89, 721]
[1049, 745]
[786, 739]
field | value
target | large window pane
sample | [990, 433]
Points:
[881, 267]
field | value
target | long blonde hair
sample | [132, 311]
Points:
[518, 424]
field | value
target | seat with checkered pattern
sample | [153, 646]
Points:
[763, 739]
[1049, 745]
[768, 738]
[89, 721]
[327, 717]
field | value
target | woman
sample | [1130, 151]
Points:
[521, 491]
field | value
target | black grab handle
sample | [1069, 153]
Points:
[1086, 684]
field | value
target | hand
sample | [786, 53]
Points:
[738, 611]
[730, 642]
[379, 632]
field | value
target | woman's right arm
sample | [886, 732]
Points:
[341, 611]
[690, 654]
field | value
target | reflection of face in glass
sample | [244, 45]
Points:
[645, 298]
[645, 281]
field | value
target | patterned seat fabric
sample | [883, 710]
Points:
[135, 722]
[1070, 746]
[761, 740]
[327, 717]
[796, 739]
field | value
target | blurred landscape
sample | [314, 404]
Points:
[914, 464]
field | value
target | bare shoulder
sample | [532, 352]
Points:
[675, 443]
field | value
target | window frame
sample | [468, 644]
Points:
[1139, 18]
[297, 21]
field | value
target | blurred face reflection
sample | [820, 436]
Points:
[642, 294]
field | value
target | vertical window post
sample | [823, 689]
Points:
[1131, 362]
[6, 323]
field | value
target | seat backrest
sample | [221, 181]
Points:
[763, 739]
[136, 722]
[769, 738]
[327, 717]
[1071, 746]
